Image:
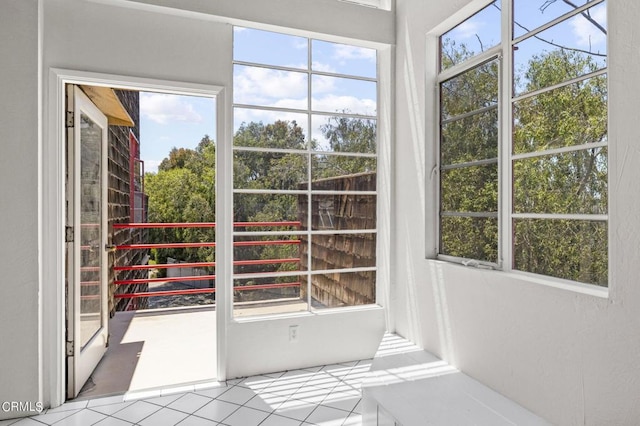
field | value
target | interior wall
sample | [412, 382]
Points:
[263, 346]
[321, 17]
[568, 356]
[19, 117]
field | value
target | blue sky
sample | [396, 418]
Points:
[168, 121]
[578, 32]
[181, 121]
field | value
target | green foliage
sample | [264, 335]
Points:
[573, 182]
[347, 135]
[469, 134]
[272, 169]
[182, 191]
[570, 182]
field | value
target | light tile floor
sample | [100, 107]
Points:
[328, 395]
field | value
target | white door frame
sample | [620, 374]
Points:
[52, 215]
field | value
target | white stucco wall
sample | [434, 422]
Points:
[263, 346]
[104, 37]
[19, 315]
[569, 357]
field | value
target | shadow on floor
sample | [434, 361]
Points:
[156, 348]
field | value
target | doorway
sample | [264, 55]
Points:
[99, 328]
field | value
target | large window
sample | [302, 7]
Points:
[523, 139]
[305, 173]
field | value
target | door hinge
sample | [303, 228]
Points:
[69, 348]
[69, 119]
[68, 234]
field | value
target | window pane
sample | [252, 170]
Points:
[341, 289]
[470, 238]
[473, 36]
[573, 250]
[268, 48]
[265, 208]
[342, 211]
[470, 139]
[295, 134]
[283, 132]
[267, 253]
[267, 295]
[569, 49]
[470, 189]
[343, 173]
[470, 91]
[343, 59]
[570, 115]
[341, 251]
[343, 95]
[529, 15]
[261, 86]
[264, 226]
[344, 134]
[269, 170]
[570, 183]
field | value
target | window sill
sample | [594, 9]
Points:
[573, 286]
[306, 314]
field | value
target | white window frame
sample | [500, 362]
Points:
[506, 99]
[382, 157]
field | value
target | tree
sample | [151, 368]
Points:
[572, 181]
[268, 170]
[469, 159]
[183, 191]
[347, 135]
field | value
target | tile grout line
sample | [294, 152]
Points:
[317, 383]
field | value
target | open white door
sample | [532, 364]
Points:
[87, 312]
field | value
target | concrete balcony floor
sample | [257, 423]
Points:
[156, 348]
[159, 348]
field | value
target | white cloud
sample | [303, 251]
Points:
[164, 108]
[324, 84]
[280, 89]
[346, 52]
[333, 103]
[466, 30]
[319, 66]
[151, 166]
[263, 86]
[586, 33]
[300, 43]
[267, 117]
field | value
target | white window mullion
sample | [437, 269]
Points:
[312, 156]
[309, 168]
[505, 172]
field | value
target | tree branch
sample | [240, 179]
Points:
[588, 52]
[587, 16]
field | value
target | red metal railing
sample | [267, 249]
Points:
[254, 262]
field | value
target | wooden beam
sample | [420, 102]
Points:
[107, 101]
